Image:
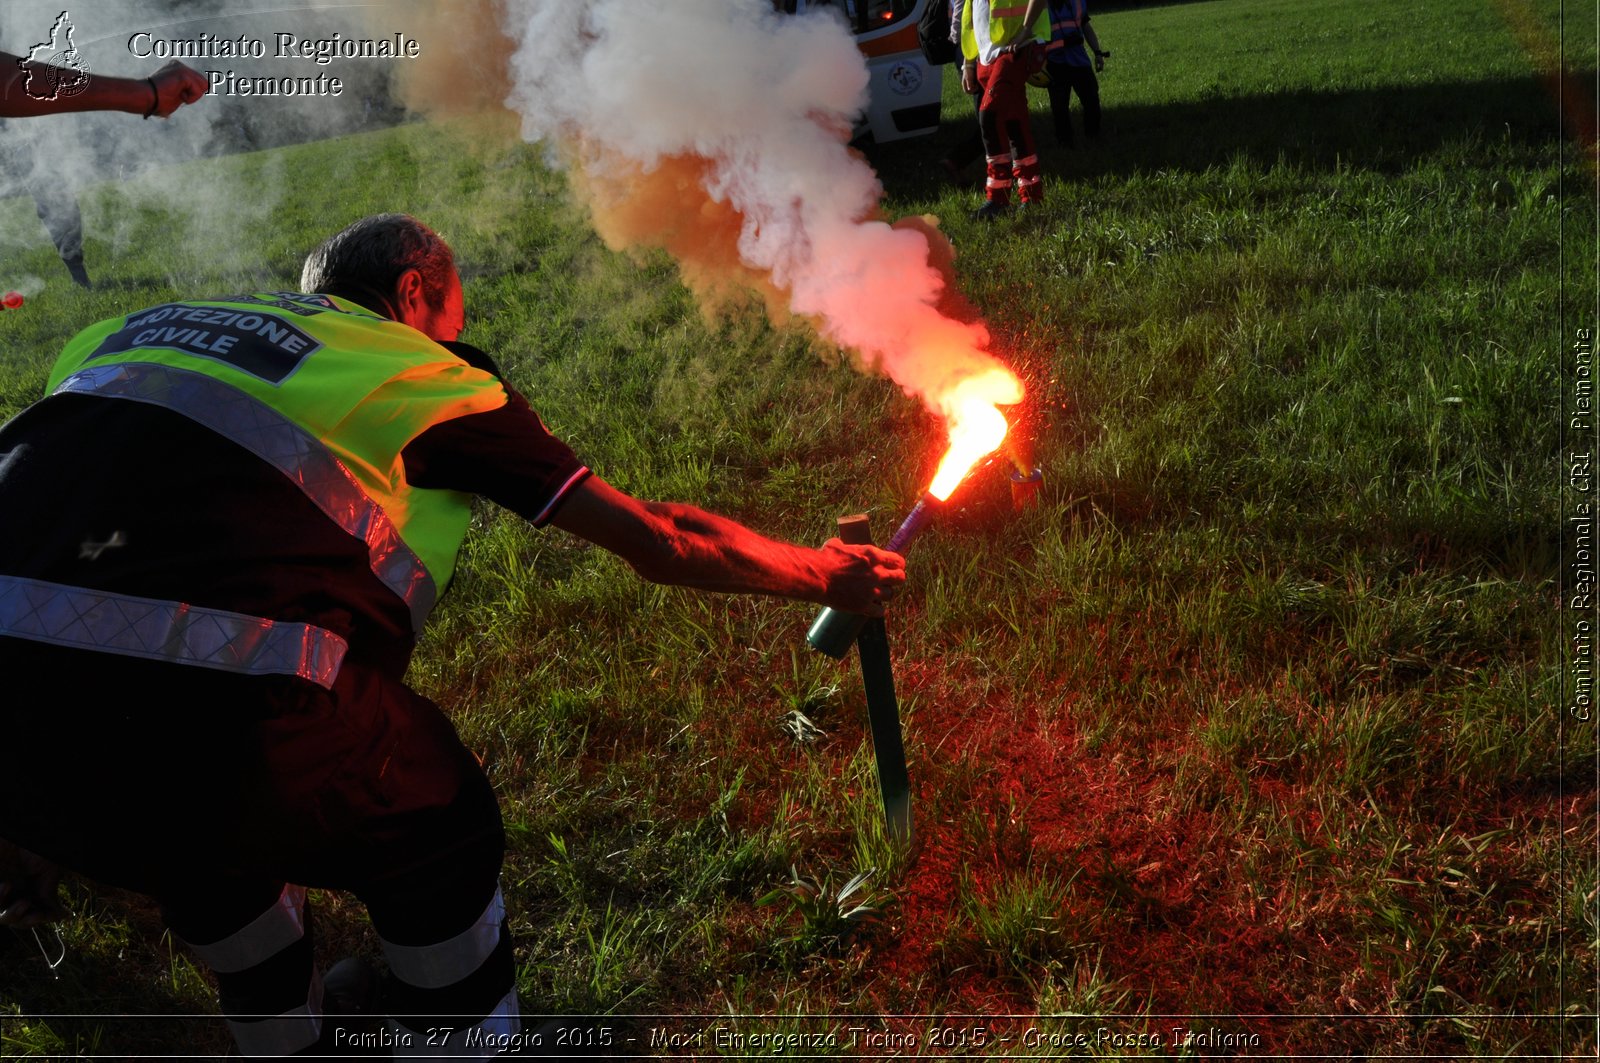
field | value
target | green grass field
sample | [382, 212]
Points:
[1257, 711]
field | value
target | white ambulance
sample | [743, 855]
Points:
[905, 90]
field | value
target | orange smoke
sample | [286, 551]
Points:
[465, 68]
[667, 206]
[717, 131]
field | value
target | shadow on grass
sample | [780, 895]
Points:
[74, 1004]
[1383, 129]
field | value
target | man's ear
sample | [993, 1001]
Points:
[410, 297]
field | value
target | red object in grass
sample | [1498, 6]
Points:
[12, 300]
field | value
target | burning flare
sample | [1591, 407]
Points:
[977, 427]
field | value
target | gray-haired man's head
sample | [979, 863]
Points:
[392, 264]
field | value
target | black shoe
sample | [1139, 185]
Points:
[80, 276]
[352, 987]
[991, 209]
[352, 1011]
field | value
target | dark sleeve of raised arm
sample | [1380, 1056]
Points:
[506, 454]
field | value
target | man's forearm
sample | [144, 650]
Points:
[1035, 9]
[707, 552]
[158, 95]
[133, 96]
[669, 542]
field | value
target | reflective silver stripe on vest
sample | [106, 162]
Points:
[167, 631]
[449, 962]
[281, 443]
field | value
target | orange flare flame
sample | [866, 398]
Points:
[977, 427]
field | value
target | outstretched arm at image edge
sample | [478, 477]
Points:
[668, 542]
[162, 93]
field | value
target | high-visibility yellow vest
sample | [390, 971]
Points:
[321, 389]
[1004, 17]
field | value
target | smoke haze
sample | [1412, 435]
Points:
[717, 131]
[714, 129]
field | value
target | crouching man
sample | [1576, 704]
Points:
[224, 528]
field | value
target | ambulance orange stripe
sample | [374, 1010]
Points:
[903, 39]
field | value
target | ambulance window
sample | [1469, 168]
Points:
[863, 15]
[876, 14]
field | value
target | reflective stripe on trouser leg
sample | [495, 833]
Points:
[441, 978]
[255, 957]
[448, 962]
[1029, 180]
[262, 938]
[284, 1034]
[997, 185]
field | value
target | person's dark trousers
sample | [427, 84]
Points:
[53, 200]
[57, 207]
[1065, 79]
[212, 792]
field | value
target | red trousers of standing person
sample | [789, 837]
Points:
[1003, 118]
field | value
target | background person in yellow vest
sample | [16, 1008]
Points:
[1001, 46]
[238, 513]
[30, 89]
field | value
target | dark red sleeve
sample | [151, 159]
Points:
[506, 455]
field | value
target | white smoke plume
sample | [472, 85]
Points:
[701, 125]
[712, 128]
